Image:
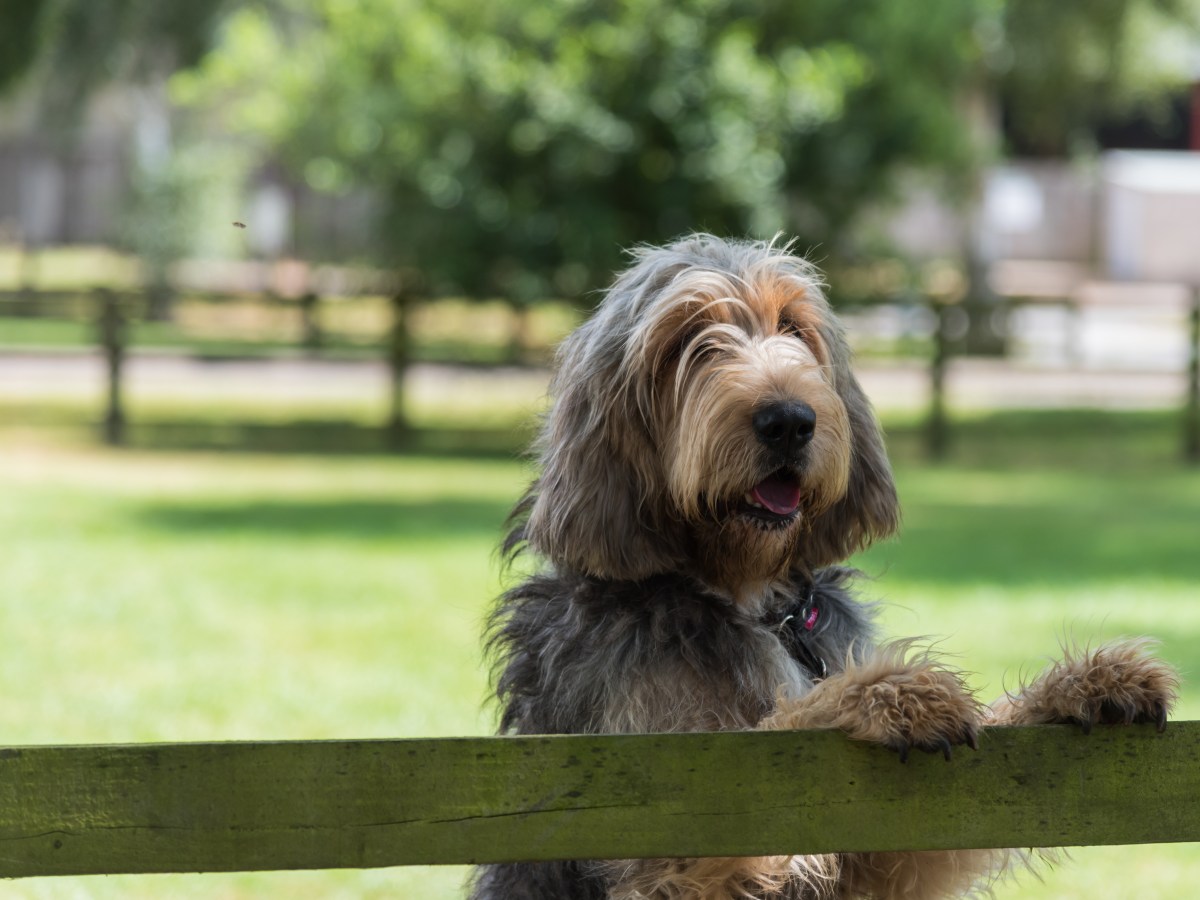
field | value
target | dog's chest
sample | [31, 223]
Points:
[701, 665]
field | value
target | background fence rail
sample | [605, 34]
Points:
[337, 804]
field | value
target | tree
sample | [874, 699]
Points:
[520, 146]
[1063, 67]
[76, 46]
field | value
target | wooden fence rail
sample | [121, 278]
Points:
[338, 804]
[114, 314]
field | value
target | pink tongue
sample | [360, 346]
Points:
[779, 495]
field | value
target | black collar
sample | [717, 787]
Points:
[795, 622]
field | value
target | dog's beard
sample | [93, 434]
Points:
[750, 538]
[754, 532]
[743, 551]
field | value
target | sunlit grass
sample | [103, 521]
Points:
[208, 598]
[169, 595]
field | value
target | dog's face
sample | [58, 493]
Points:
[754, 438]
[706, 421]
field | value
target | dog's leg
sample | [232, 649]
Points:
[1118, 683]
[904, 700]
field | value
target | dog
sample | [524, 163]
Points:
[708, 463]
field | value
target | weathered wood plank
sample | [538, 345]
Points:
[257, 806]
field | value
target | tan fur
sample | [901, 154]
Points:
[1117, 683]
[920, 876]
[898, 696]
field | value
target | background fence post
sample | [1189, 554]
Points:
[936, 429]
[399, 356]
[310, 323]
[113, 334]
[1191, 438]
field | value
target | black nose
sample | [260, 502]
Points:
[785, 427]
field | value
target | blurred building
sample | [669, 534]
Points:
[56, 190]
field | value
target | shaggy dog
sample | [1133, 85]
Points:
[708, 461]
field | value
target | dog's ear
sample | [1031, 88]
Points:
[869, 510]
[595, 506]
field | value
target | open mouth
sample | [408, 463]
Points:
[775, 500]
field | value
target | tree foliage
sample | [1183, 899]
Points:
[1061, 67]
[519, 146]
[79, 45]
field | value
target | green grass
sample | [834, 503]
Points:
[196, 598]
[157, 594]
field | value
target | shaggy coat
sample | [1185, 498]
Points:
[708, 461]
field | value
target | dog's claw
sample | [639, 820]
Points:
[1114, 714]
[941, 744]
[972, 738]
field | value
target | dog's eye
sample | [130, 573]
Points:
[792, 329]
[671, 352]
[689, 336]
[808, 335]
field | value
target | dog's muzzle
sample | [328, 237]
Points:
[785, 428]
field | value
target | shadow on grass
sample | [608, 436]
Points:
[1049, 544]
[400, 519]
[1070, 496]
[1097, 440]
[1010, 439]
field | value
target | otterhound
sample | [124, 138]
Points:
[708, 461]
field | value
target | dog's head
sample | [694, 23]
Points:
[705, 420]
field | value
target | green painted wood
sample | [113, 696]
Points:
[258, 806]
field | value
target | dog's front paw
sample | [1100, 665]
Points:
[902, 700]
[1118, 683]
[923, 706]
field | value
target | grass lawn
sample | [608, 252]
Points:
[166, 595]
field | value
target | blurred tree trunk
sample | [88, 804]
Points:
[160, 299]
[310, 324]
[520, 335]
[399, 355]
[113, 338]
[986, 332]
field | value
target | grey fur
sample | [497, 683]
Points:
[576, 655]
[623, 632]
